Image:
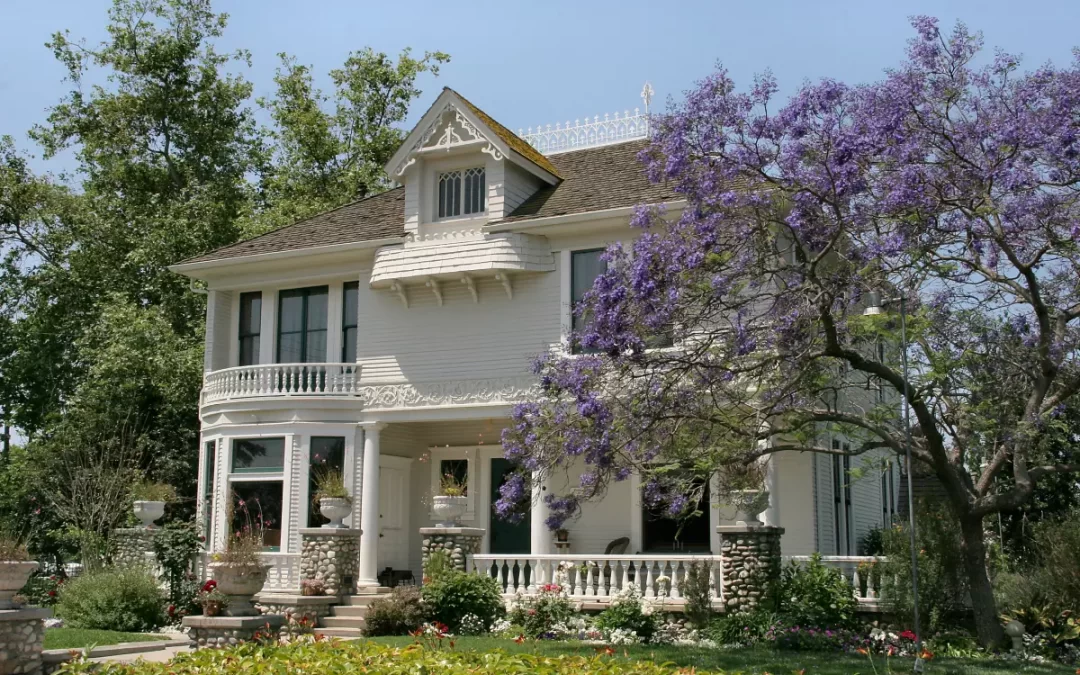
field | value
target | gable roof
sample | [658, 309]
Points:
[516, 143]
[594, 179]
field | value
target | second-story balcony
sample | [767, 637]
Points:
[274, 380]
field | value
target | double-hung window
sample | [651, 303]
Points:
[256, 480]
[585, 266]
[349, 321]
[462, 192]
[250, 327]
[302, 325]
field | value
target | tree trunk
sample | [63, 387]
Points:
[987, 625]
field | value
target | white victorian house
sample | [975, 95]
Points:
[391, 337]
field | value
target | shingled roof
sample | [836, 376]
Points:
[594, 179]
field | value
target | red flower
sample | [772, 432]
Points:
[52, 594]
[209, 586]
[908, 635]
[519, 639]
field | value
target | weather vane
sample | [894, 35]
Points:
[646, 95]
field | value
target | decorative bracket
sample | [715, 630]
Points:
[495, 153]
[504, 279]
[396, 287]
[471, 285]
[433, 284]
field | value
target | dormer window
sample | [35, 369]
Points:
[462, 192]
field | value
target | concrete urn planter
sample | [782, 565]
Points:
[13, 576]
[749, 504]
[335, 509]
[449, 510]
[148, 512]
[239, 581]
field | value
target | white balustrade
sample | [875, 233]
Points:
[857, 570]
[282, 379]
[596, 577]
[587, 134]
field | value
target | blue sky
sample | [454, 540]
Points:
[542, 62]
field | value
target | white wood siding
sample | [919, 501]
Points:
[412, 201]
[462, 339]
[825, 507]
[519, 186]
[219, 322]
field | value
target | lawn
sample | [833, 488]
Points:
[77, 638]
[755, 661]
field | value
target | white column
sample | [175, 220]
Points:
[540, 534]
[334, 309]
[368, 573]
[267, 327]
[772, 484]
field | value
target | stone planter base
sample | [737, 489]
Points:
[301, 612]
[751, 564]
[458, 542]
[332, 556]
[22, 632]
[134, 547]
[217, 632]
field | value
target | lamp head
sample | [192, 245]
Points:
[873, 304]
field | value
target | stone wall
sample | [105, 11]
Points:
[22, 632]
[751, 564]
[218, 632]
[134, 546]
[302, 613]
[458, 542]
[332, 555]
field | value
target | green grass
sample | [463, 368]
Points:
[77, 638]
[755, 661]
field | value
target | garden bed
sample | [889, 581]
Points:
[78, 638]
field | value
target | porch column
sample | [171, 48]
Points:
[772, 484]
[368, 573]
[540, 534]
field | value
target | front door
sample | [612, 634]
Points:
[393, 512]
[505, 536]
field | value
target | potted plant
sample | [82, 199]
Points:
[211, 598]
[312, 587]
[745, 488]
[452, 502]
[332, 497]
[15, 569]
[150, 499]
[562, 535]
[239, 570]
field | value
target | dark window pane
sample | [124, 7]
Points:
[290, 348]
[208, 488]
[317, 299]
[327, 453]
[291, 317]
[258, 455]
[255, 505]
[250, 313]
[348, 347]
[350, 298]
[315, 347]
[585, 266]
[458, 468]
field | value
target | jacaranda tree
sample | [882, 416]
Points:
[954, 185]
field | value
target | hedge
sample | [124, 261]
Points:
[333, 658]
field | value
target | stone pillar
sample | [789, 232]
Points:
[22, 632]
[332, 556]
[134, 546]
[540, 536]
[368, 576]
[751, 564]
[458, 542]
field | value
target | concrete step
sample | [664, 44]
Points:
[344, 610]
[342, 622]
[362, 600]
[340, 633]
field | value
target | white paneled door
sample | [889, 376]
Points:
[394, 512]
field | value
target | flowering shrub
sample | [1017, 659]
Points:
[313, 587]
[453, 595]
[341, 658]
[42, 590]
[741, 630]
[628, 612]
[400, 614]
[544, 615]
[210, 599]
[816, 595]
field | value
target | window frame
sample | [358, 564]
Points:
[575, 348]
[461, 199]
[227, 453]
[244, 333]
[305, 294]
[470, 454]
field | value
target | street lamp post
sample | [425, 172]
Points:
[875, 305]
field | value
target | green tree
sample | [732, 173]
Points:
[330, 150]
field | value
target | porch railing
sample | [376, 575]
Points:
[865, 584]
[284, 574]
[282, 379]
[596, 577]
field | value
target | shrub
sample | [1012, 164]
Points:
[816, 595]
[340, 658]
[126, 600]
[873, 542]
[1058, 547]
[12, 549]
[175, 546]
[544, 615]
[628, 612]
[452, 595]
[695, 591]
[399, 614]
[942, 581]
[149, 491]
[42, 590]
[744, 629]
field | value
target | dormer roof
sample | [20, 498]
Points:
[481, 130]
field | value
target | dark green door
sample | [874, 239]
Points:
[506, 537]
